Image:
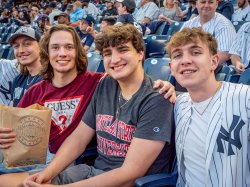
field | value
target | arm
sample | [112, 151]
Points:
[223, 57]
[236, 61]
[75, 144]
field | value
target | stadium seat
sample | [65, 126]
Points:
[238, 24]
[157, 68]
[95, 63]
[174, 27]
[155, 49]
[161, 179]
[224, 72]
[245, 77]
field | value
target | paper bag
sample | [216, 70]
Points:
[32, 126]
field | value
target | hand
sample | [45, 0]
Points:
[239, 68]
[33, 184]
[36, 179]
[161, 17]
[167, 88]
[7, 137]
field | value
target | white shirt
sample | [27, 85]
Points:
[242, 14]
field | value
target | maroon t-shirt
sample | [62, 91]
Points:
[68, 104]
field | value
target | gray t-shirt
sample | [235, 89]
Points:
[146, 115]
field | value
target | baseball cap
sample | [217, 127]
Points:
[110, 1]
[129, 4]
[89, 19]
[69, 7]
[25, 31]
[61, 14]
[42, 16]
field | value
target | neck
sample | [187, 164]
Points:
[205, 19]
[245, 5]
[62, 79]
[205, 91]
[131, 86]
[34, 68]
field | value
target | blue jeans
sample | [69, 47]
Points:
[27, 169]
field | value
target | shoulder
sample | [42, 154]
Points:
[91, 76]
[182, 100]
[192, 22]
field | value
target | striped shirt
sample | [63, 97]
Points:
[242, 14]
[149, 10]
[227, 150]
[219, 26]
[241, 44]
[8, 72]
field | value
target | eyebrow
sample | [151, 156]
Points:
[192, 47]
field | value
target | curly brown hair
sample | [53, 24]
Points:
[47, 72]
[117, 35]
[192, 35]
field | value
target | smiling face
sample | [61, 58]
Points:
[206, 8]
[26, 50]
[193, 65]
[62, 53]
[123, 62]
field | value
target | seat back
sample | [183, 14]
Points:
[238, 24]
[157, 68]
[155, 49]
[174, 27]
[245, 77]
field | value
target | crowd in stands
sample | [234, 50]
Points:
[46, 47]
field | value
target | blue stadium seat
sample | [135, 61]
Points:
[157, 68]
[174, 27]
[155, 49]
[245, 77]
[95, 62]
[238, 24]
[161, 179]
[224, 72]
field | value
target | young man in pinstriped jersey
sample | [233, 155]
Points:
[212, 119]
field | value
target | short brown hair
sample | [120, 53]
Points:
[192, 35]
[81, 59]
[119, 34]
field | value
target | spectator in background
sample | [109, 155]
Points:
[34, 14]
[169, 12]
[190, 12]
[107, 21]
[125, 11]
[225, 8]
[240, 49]
[43, 24]
[86, 25]
[55, 11]
[19, 18]
[90, 8]
[77, 13]
[5, 15]
[243, 13]
[110, 9]
[147, 12]
[216, 24]
[64, 4]
[69, 9]
[62, 18]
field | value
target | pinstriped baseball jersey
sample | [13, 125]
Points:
[219, 26]
[227, 155]
[8, 72]
[241, 44]
[242, 14]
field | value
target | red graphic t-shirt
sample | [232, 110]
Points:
[68, 104]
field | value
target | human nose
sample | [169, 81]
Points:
[62, 51]
[185, 59]
[115, 57]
